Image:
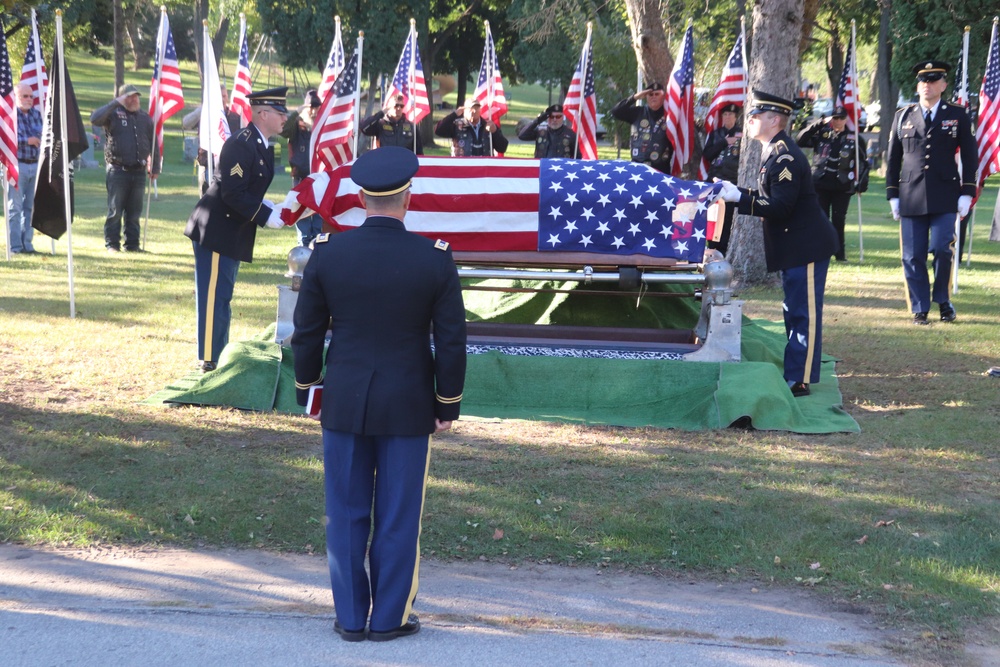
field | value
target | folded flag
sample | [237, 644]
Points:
[489, 204]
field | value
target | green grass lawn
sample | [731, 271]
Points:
[902, 518]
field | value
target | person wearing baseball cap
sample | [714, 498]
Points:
[223, 225]
[649, 143]
[552, 137]
[798, 238]
[839, 167]
[384, 293]
[722, 152]
[925, 189]
[391, 127]
[129, 153]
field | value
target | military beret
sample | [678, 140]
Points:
[839, 112]
[555, 108]
[272, 97]
[931, 70]
[761, 102]
[385, 171]
[655, 85]
[127, 89]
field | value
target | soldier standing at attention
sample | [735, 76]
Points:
[390, 127]
[384, 293]
[649, 143]
[223, 225]
[798, 238]
[925, 190]
[835, 166]
[553, 140]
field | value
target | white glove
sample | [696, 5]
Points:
[274, 220]
[730, 192]
[964, 204]
[894, 207]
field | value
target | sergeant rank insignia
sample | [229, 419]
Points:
[237, 170]
[785, 175]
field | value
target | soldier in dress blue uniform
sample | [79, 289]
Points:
[798, 238]
[223, 225]
[555, 139]
[390, 127]
[382, 292]
[924, 187]
[471, 135]
[649, 143]
[836, 167]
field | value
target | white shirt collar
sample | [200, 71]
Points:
[933, 109]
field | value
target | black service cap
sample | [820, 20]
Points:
[931, 70]
[761, 102]
[385, 171]
[272, 97]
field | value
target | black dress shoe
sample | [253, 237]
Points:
[799, 389]
[947, 312]
[411, 628]
[920, 318]
[349, 635]
[206, 366]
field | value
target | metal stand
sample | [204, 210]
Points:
[720, 323]
[288, 295]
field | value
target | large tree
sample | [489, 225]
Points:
[777, 40]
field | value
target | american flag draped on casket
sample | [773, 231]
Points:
[502, 204]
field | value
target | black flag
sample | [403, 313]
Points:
[49, 214]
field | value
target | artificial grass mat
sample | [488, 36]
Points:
[692, 396]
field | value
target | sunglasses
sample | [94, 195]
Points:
[400, 106]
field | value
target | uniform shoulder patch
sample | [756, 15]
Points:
[321, 238]
[785, 158]
[441, 245]
[785, 175]
[237, 170]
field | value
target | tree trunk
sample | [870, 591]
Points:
[119, 27]
[887, 91]
[649, 40]
[777, 34]
[834, 61]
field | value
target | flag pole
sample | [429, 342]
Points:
[357, 100]
[157, 111]
[6, 208]
[856, 111]
[489, 83]
[583, 87]
[210, 158]
[43, 93]
[67, 204]
[411, 80]
[965, 82]
[955, 246]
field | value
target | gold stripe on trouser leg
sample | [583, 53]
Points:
[954, 257]
[416, 561]
[906, 284]
[811, 338]
[213, 282]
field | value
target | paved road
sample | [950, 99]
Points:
[124, 606]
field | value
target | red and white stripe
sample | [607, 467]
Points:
[239, 103]
[409, 82]
[334, 63]
[988, 130]
[166, 95]
[732, 90]
[473, 203]
[847, 92]
[33, 71]
[489, 88]
[680, 105]
[8, 116]
[580, 105]
[331, 142]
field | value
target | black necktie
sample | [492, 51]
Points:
[927, 118]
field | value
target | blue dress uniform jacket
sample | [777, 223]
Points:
[796, 231]
[921, 170]
[378, 288]
[226, 219]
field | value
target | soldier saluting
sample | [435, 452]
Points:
[649, 143]
[925, 189]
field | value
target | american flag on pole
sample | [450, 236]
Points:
[33, 71]
[732, 90]
[847, 91]
[960, 95]
[580, 105]
[988, 130]
[408, 80]
[489, 88]
[165, 94]
[484, 204]
[8, 115]
[334, 64]
[330, 144]
[680, 105]
[240, 105]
